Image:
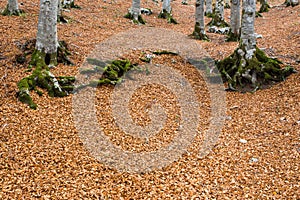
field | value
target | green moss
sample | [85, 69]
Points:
[6, 12]
[197, 33]
[232, 37]
[257, 72]
[165, 15]
[140, 20]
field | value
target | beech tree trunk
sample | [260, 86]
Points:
[136, 9]
[294, 2]
[166, 12]
[12, 8]
[248, 38]
[209, 10]
[199, 30]
[218, 16]
[46, 39]
[166, 6]
[235, 21]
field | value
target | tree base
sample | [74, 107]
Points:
[140, 19]
[232, 37]
[264, 8]
[218, 22]
[258, 72]
[42, 77]
[6, 12]
[165, 15]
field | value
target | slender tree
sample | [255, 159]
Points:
[218, 15]
[209, 9]
[134, 12]
[227, 4]
[12, 8]
[199, 30]
[166, 12]
[248, 67]
[235, 21]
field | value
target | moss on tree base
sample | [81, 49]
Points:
[197, 34]
[249, 75]
[217, 21]
[264, 8]
[140, 19]
[18, 12]
[42, 77]
[165, 15]
[232, 37]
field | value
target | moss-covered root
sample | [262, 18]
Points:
[197, 34]
[166, 15]
[264, 7]
[41, 77]
[139, 20]
[217, 21]
[232, 37]
[18, 12]
[249, 75]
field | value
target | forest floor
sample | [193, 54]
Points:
[257, 155]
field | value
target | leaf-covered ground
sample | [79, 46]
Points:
[42, 156]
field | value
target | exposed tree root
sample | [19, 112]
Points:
[42, 77]
[232, 37]
[166, 15]
[18, 12]
[140, 19]
[249, 75]
[217, 21]
[197, 34]
[112, 72]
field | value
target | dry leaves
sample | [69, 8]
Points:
[41, 155]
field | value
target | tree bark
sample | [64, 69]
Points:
[12, 8]
[135, 12]
[209, 10]
[235, 21]
[199, 30]
[166, 12]
[218, 15]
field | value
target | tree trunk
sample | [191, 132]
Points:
[248, 68]
[46, 40]
[12, 8]
[235, 21]
[166, 12]
[227, 4]
[218, 15]
[209, 10]
[135, 12]
[199, 30]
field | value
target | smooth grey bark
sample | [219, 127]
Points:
[135, 9]
[166, 6]
[218, 16]
[209, 9]
[12, 8]
[248, 38]
[227, 3]
[235, 20]
[199, 30]
[46, 40]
